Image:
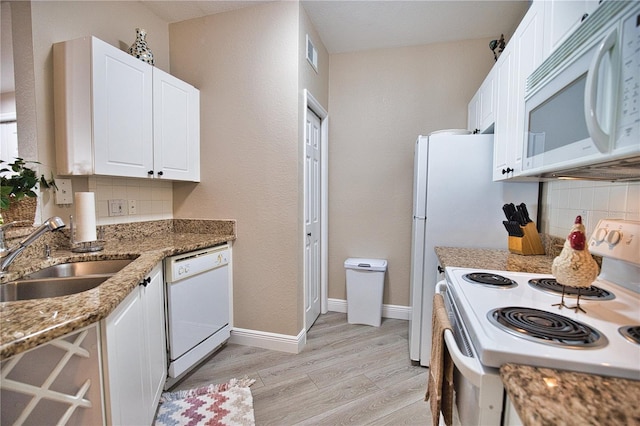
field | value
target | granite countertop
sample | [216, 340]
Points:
[545, 396]
[500, 260]
[29, 323]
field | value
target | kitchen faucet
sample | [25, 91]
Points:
[8, 256]
[3, 228]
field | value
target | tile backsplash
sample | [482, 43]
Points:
[563, 200]
[153, 198]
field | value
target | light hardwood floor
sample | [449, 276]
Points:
[346, 374]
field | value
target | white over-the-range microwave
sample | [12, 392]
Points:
[582, 105]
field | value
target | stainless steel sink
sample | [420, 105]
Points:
[77, 269]
[62, 279]
[48, 287]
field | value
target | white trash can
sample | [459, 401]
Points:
[365, 284]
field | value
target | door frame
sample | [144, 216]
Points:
[310, 103]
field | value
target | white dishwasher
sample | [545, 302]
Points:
[197, 307]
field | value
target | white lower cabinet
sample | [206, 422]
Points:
[134, 352]
[54, 383]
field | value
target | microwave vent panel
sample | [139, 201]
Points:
[557, 60]
[627, 170]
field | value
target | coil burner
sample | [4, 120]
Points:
[546, 327]
[550, 285]
[631, 333]
[489, 279]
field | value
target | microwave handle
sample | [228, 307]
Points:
[598, 135]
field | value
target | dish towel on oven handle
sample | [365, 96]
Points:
[440, 383]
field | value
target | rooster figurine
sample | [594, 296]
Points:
[574, 266]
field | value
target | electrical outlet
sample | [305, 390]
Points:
[64, 193]
[133, 209]
[117, 207]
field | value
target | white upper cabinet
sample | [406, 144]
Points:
[111, 119]
[528, 42]
[481, 109]
[522, 55]
[504, 129]
[561, 18]
[176, 128]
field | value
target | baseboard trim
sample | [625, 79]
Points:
[388, 311]
[294, 344]
[271, 341]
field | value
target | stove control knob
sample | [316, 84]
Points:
[600, 235]
[614, 237]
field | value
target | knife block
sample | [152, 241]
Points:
[528, 244]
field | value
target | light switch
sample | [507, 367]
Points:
[64, 193]
[117, 207]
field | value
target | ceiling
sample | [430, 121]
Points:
[355, 25]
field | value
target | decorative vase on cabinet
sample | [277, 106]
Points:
[140, 49]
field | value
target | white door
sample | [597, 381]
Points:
[312, 219]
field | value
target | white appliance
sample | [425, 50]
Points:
[582, 107]
[450, 169]
[602, 340]
[197, 307]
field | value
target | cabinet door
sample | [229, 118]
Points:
[154, 321]
[487, 101]
[122, 112]
[55, 383]
[135, 352]
[520, 58]
[563, 17]
[176, 129]
[504, 127]
[473, 110]
[529, 48]
[126, 382]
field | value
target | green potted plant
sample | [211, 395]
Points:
[18, 198]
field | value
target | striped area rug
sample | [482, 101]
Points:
[229, 404]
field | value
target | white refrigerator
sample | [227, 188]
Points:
[455, 204]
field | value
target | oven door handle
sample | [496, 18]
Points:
[470, 367]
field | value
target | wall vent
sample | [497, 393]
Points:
[312, 54]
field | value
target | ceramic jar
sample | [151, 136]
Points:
[139, 48]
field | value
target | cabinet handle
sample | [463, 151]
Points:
[507, 170]
[585, 16]
[160, 173]
[145, 282]
[150, 172]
